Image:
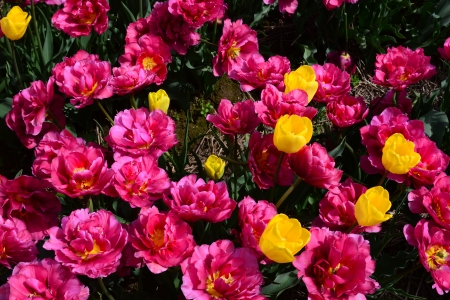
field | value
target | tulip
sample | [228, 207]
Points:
[283, 238]
[399, 155]
[15, 23]
[159, 100]
[214, 167]
[371, 207]
[292, 133]
[303, 78]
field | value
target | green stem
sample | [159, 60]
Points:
[236, 162]
[133, 101]
[16, 67]
[90, 205]
[382, 179]
[352, 227]
[207, 42]
[105, 112]
[141, 10]
[275, 176]
[54, 120]
[208, 224]
[214, 32]
[346, 31]
[103, 288]
[35, 26]
[236, 194]
[401, 274]
[288, 192]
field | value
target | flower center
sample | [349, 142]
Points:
[158, 237]
[211, 280]
[233, 51]
[436, 256]
[148, 63]
[86, 92]
[86, 255]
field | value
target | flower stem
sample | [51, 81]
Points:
[236, 162]
[287, 193]
[275, 177]
[207, 42]
[16, 67]
[346, 31]
[133, 101]
[401, 274]
[382, 179]
[35, 26]
[235, 150]
[54, 120]
[103, 288]
[350, 229]
[141, 10]
[105, 112]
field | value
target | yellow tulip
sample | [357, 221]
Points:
[371, 207]
[283, 238]
[303, 78]
[15, 23]
[292, 133]
[399, 155]
[159, 100]
[214, 167]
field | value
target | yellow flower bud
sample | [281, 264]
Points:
[303, 78]
[399, 155]
[15, 23]
[214, 167]
[292, 133]
[159, 100]
[283, 238]
[371, 207]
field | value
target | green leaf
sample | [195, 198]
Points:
[336, 152]
[5, 106]
[400, 292]
[282, 282]
[435, 123]
[47, 47]
[128, 13]
[387, 265]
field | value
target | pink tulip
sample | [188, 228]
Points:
[337, 208]
[239, 118]
[288, 6]
[29, 199]
[445, 50]
[129, 79]
[374, 136]
[347, 110]
[256, 73]
[139, 181]
[49, 147]
[433, 243]
[333, 83]
[192, 199]
[45, 279]
[78, 17]
[401, 67]
[163, 240]
[197, 12]
[151, 54]
[79, 173]
[16, 243]
[221, 271]
[174, 30]
[138, 132]
[342, 60]
[88, 243]
[137, 29]
[32, 111]
[275, 104]
[315, 166]
[253, 219]
[236, 45]
[336, 265]
[263, 159]
[58, 69]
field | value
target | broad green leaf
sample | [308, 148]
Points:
[282, 282]
[336, 152]
[435, 123]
